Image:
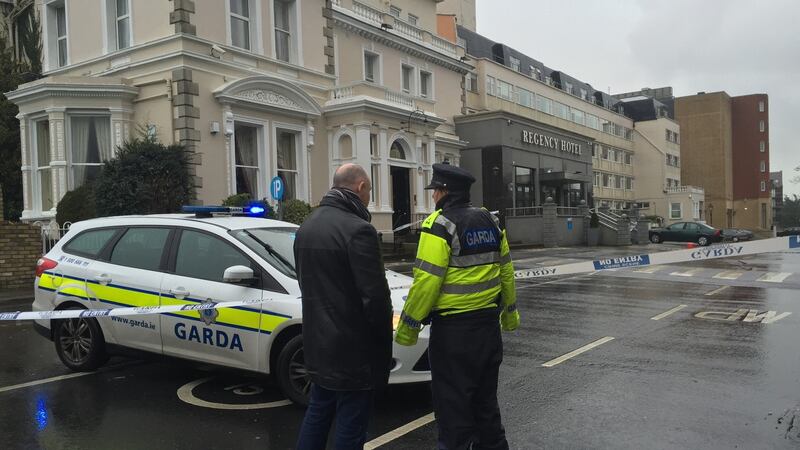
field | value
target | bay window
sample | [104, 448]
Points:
[90, 144]
[43, 170]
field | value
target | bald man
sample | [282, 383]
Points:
[347, 312]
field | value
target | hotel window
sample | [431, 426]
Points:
[471, 81]
[491, 85]
[629, 183]
[604, 153]
[287, 161]
[621, 182]
[763, 166]
[524, 190]
[408, 78]
[514, 63]
[675, 211]
[592, 122]
[578, 116]
[505, 90]
[525, 97]
[412, 19]
[763, 186]
[762, 146]
[544, 104]
[612, 155]
[285, 39]
[119, 23]
[372, 67]
[568, 87]
[761, 106]
[597, 178]
[608, 180]
[373, 144]
[394, 11]
[45, 183]
[628, 158]
[536, 73]
[245, 164]
[676, 160]
[240, 23]
[425, 84]
[669, 136]
[761, 126]
[561, 110]
[91, 146]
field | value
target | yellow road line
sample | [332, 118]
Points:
[577, 352]
[667, 313]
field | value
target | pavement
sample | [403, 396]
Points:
[14, 295]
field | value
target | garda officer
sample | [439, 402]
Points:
[463, 279]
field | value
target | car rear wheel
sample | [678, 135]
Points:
[655, 239]
[702, 241]
[291, 372]
[80, 344]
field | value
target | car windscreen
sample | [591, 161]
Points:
[275, 245]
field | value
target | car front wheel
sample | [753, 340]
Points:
[291, 372]
[80, 344]
[655, 239]
[702, 241]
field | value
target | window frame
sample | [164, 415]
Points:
[261, 148]
[411, 90]
[118, 19]
[762, 127]
[672, 215]
[39, 170]
[71, 164]
[762, 146]
[50, 36]
[295, 38]
[762, 166]
[428, 85]
[246, 19]
[165, 252]
[299, 139]
[377, 70]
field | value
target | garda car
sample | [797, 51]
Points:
[177, 259]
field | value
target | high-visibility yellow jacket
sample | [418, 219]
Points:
[463, 264]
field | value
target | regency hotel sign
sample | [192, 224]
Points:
[554, 143]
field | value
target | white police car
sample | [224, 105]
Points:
[177, 259]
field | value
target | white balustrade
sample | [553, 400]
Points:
[367, 12]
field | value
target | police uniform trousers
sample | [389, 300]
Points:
[465, 352]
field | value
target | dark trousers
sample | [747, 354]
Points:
[351, 408]
[465, 354]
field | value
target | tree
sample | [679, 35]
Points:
[790, 213]
[145, 177]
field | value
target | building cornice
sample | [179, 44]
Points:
[383, 37]
[362, 103]
[54, 88]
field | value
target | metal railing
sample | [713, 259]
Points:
[51, 233]
[529, 211]
[568, 211]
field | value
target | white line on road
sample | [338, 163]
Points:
[774, 277]
[44, 381]
[649, 269]
[667, 313]
[688, 272]
[577, 352]
[729, 275]
[717, 290]
[399, 432]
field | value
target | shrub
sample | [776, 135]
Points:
[237, 200]
[145, 177]
[296, 211]
[77, 204]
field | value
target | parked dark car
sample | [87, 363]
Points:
[736, 234]
[793, 231]
[686, 232]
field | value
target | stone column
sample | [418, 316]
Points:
[643, 231]
[383, 149]
[549, 219]
[181, 16]
[58, 153]
[184, 115]
[624, 231]
[25, 167]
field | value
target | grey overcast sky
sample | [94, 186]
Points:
[738, 46]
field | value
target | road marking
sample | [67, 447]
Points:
[774, 277]
[649, 269]
[185, 393]
[577, 352]
[667, 313]
[729, 275]
[45, 381]
[717, 290]
[399, 432]
[688, 272]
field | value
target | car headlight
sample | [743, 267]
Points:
[395, 321]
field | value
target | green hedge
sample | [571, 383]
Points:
[77, 204]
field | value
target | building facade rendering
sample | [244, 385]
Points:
[253, 88]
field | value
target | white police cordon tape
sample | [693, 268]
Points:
[694, 254]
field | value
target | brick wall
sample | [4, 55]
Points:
[20, 247]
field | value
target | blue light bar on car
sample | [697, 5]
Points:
[252, 210]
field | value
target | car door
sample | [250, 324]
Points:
[225, 336]
[691, 232]
[129, 274]
[672, 232]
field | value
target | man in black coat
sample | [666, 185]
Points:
[347, 312]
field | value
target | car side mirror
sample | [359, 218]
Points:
[238, 274]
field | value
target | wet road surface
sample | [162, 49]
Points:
[618, 359]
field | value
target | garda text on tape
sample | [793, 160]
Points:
[695, 254]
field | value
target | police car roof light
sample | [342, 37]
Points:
[253, 210]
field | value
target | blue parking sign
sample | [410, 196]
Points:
[277, 188]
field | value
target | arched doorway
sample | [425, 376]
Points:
[401, 185]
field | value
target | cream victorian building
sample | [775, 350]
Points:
[254, 88]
